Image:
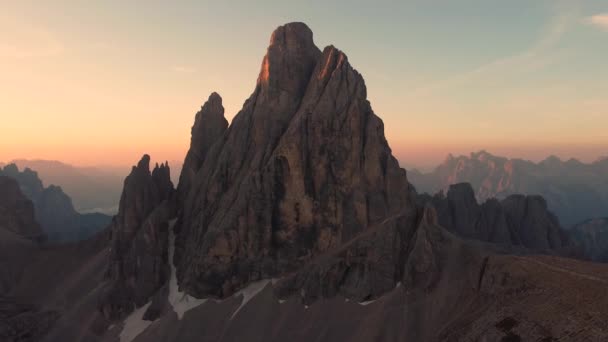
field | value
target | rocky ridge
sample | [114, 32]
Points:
[517, 220]
[574, 191]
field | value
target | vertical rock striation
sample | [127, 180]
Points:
[209, 126]
[138, 259]
[303, 169]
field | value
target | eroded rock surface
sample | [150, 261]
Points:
[138, 260]
[303, 168]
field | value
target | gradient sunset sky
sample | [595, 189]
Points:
[103, 83]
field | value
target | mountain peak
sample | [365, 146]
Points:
[293, 33]
[144, 163]
[290, 59]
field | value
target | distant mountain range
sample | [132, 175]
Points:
[92, 189]
[53, 209]
[574, 191]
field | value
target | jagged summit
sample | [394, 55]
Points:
[137, 265]
[303, 167]
[143, 164]
[209, 126]
[289, 60]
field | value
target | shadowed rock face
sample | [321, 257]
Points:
[138, 259]
[517, 220]
[209, 126]
[303, 168]
[592, 236]
[17, 211]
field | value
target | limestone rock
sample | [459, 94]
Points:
[303, 168]
[209, 126]
[139, 244]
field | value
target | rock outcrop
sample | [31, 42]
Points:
[574, 191]
[138, 265]
[209, 126]
[303, 169]
[19, 233]
[517, 220]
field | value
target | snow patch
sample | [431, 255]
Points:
[249, 292]
[367, 302]
[180, 301]
[134, 324]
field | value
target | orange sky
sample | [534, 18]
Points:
[120, 82]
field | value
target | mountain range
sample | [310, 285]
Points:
[574, 191]
[295, 223]
[92, 189]
[53, 209]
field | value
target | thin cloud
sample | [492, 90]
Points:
[183, 69]
[599, 20]
[533, 58]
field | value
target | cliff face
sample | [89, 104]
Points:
[209, 126]
[574, 191]
[303, 168]
[138, 265]
[19, 233]
[17, 211]
[517, 220]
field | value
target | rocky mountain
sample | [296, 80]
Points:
[17, 211]
[295, 222]
[209, 126]
[53, 208]
[592, 236]
[19, 237]
[92, 189]
[303, 168]
[574, 191]
[518, 220]
[138, 264]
